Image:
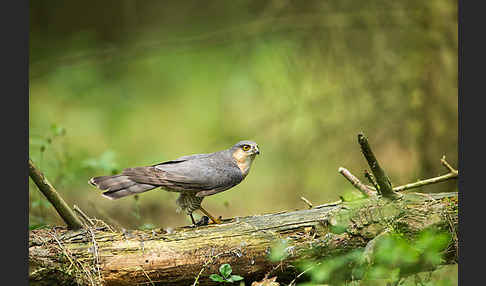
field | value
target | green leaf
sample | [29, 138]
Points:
[338, 229]
[36, 226]
[225, 270]
[216, 278]
[278, 251]
[235, 278]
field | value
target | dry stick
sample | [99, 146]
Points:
[66, 253]
[426, 182]
[150, 280]
[95, 253]
[382, 179]
[308, 203]
[449, 167]
[370, 178]
[54, 198]
[421, 183]
[83, 215]
[356, 182]
[292, 283]
[452, 175]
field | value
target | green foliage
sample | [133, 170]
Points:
[278, 250]
[393, 258]
[105, 163]
[225, 270]
[37, 226]
[351, 195]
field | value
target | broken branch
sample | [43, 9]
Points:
[372, 180]
[382, 179]
[83, 215]
[425, 182]
[307, 202]
[54, 198]
[449, 167]
[356, 182]
[453, 174]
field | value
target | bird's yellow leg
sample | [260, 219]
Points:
[215, 220]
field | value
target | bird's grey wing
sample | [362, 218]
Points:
[184, 158]
[171, 179]
[213, 173]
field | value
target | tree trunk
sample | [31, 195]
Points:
[101, 257]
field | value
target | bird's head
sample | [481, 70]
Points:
[244, 152]
[248, 147]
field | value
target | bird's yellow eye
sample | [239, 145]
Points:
[246, 147]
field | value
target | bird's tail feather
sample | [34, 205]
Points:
[119, 186]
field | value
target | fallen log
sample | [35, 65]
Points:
[187, 255]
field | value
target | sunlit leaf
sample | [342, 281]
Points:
[278, 251]
[234, 278]
[225, 270]
[216, 277]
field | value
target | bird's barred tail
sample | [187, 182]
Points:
[119, 186]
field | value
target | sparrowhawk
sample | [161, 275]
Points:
[193, 176]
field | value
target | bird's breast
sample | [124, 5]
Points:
[243, 160]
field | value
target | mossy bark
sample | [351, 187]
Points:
[176, 258]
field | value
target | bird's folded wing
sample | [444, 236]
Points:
[184, 158]
[174, 179]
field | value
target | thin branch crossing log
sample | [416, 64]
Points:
[54, 198]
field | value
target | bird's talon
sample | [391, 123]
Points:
[203, 221]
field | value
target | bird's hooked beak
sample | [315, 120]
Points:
[257, 151]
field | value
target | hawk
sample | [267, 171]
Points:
[193, 176]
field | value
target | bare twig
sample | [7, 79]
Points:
[292, 283]
[83, 215]
[148, 277]
[382, 179]
[104, 224]
[103, 215]
[422, 183]
[331, 204]
[449, 167]
[72, 260]
[356, 182]
[95, 253]
[426, 182]
[453, 174]
[62, 249]
[209, 261]
[54, 198]
[309, 204]
[372, 180]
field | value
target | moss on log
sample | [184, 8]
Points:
[156, 257]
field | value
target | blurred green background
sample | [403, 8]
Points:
[117, 84]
